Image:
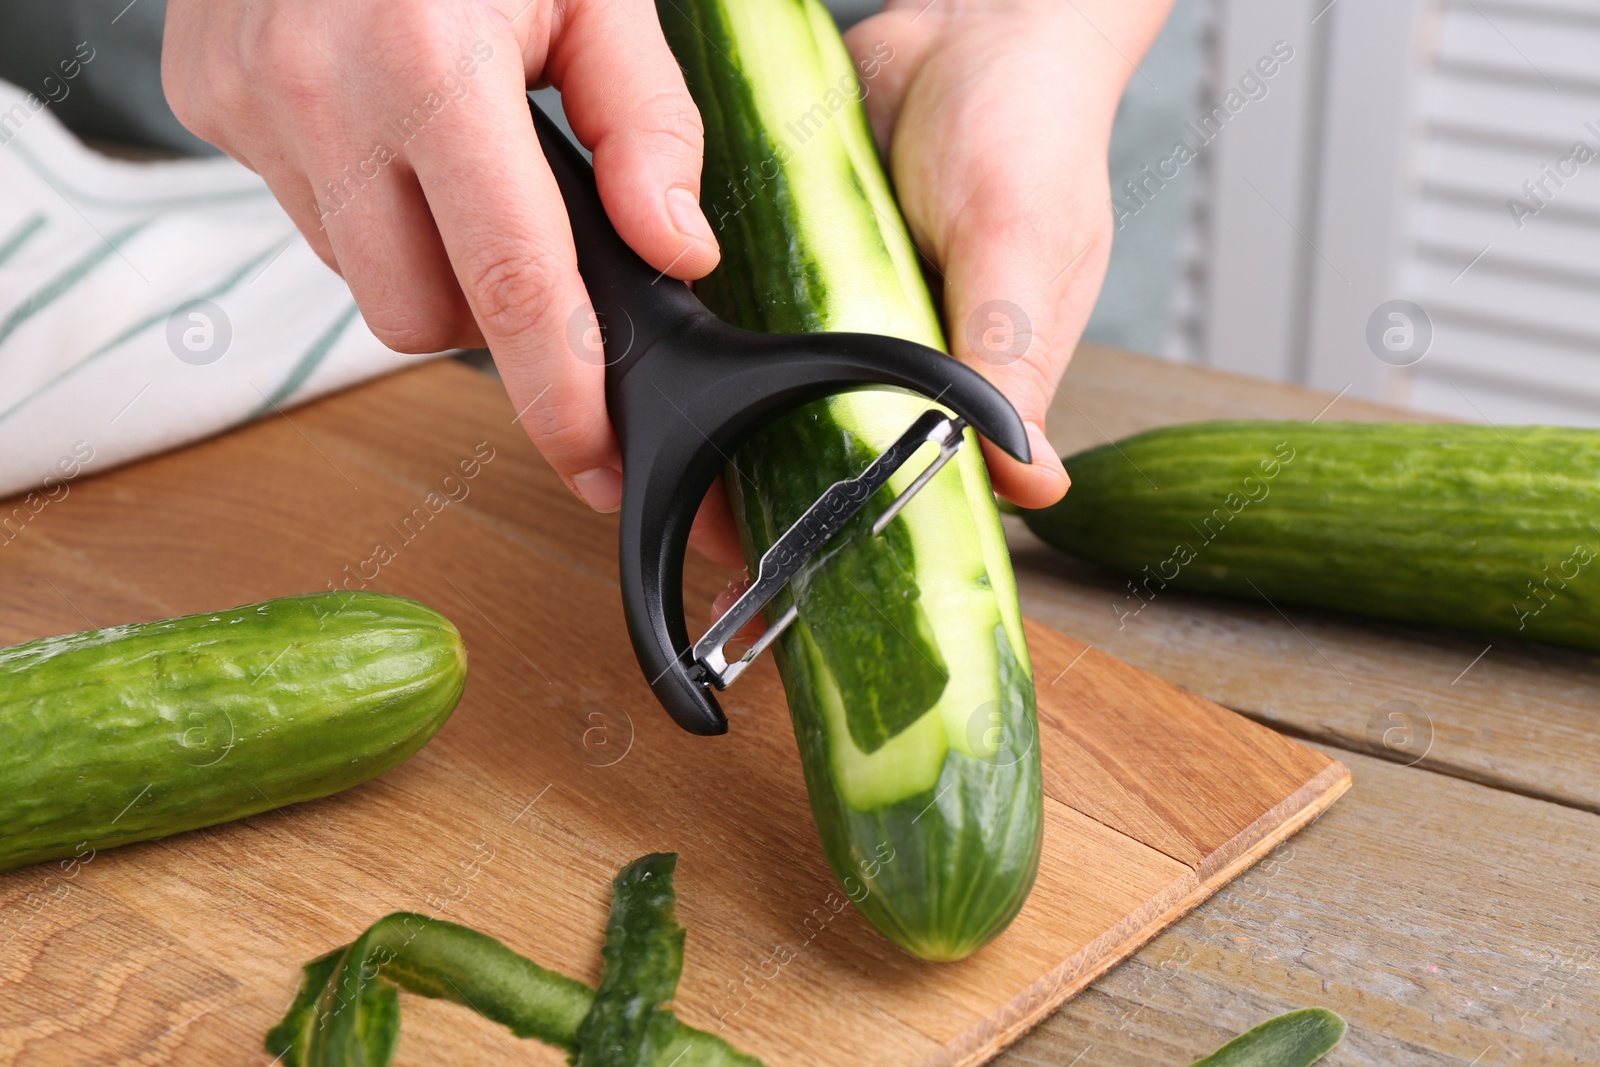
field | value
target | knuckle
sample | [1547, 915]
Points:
[1031, 382]
[669, 122]
[414, 42]
[294, 75]
[1040, 378]
[421, 50]
[405, 333]
[1010, 203]
[510, 293]
[565, 424]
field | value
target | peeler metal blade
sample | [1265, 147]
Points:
[800, 543]
[684, 390]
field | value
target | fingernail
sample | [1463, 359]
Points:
[600, 488]
[686, 215]
[1044, 453]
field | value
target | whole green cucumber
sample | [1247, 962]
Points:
[137, 732]
[1488, 528]
[907, 672]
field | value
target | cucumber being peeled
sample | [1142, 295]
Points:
[907, 671]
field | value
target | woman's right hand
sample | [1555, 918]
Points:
[396, 134]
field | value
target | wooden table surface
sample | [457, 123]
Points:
[555, 770]
[1449, 906]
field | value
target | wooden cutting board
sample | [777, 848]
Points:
[556, 769]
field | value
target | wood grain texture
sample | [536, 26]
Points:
[556, 769]
[1523, 717]
[1451, 924]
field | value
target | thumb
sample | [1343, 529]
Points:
[1023, 262]
[1020, 281]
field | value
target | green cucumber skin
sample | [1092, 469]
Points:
[137, 732]
[941, 846]
[626, 1027]
[346, 1012]
[1293, 1039]
[943, 872]
[1492, 529]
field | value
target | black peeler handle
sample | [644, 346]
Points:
[635, 303]
[684, 389]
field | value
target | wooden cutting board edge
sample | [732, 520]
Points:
[1022, 1013]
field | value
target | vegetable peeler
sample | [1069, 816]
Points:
[684, 389]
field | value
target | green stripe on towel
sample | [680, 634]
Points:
[76, 197]
[30, 226]
[302, 370]
[210, 294]
[56, 287]
[144, 324]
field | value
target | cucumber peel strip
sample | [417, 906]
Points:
[643, 959]
[1294, 1039]
[347, 1010]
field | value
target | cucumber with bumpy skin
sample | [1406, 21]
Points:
[907, 671]
[130, 733]
[1487, 528]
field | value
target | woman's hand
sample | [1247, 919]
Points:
[995, 117]
[396, 134]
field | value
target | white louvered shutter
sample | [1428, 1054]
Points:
[1506, 113]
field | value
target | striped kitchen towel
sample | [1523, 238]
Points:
[145, 305]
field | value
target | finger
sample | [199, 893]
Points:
[625, 98]
[1023, 252]
[1020, 280]
[715, 536]
[504, 228]
[713, 533]
[292, 189]
[391, 255]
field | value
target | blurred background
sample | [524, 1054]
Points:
[1392, 197]
[1406, 207]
